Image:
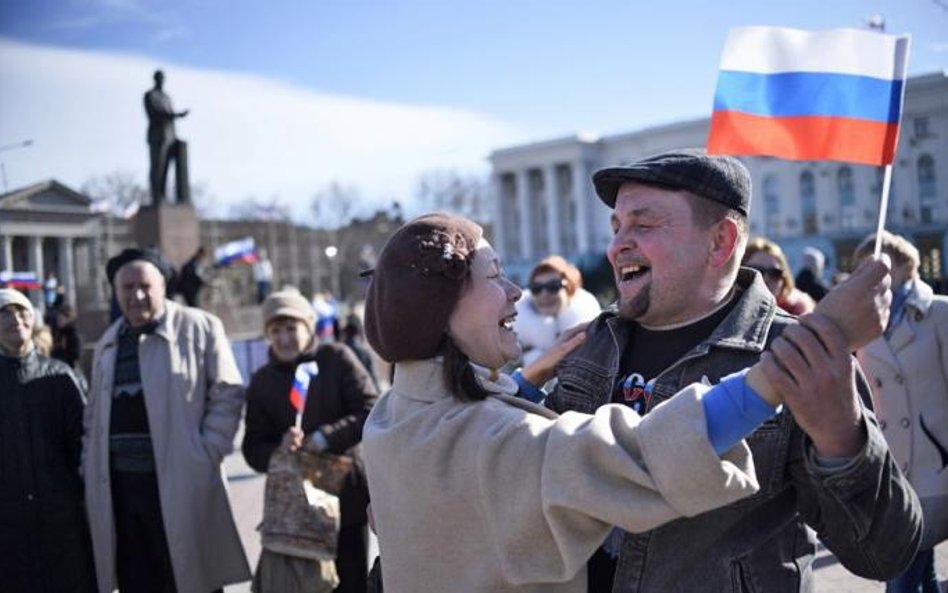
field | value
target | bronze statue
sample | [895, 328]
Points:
[162, 143]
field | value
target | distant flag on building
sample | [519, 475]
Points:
[305, 372]
[831, 95]
[241, 251]
[21, 280]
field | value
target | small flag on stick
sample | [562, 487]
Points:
[831, 95]
[305, 371]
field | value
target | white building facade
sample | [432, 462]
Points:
[545, 202]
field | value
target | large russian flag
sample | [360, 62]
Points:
[242, 250]
[21, 280]
[831, 95]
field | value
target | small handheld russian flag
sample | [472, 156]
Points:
[828, 95]
[305, 371]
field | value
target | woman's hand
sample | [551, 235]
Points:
[292, 440]
[543, 368]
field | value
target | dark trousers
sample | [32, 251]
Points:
[601, 571]
[352, 559]
[142, 562]
[919, 577]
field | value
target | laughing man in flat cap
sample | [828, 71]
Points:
[688, 313]
[164, 406]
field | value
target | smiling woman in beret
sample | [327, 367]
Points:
[477, 490]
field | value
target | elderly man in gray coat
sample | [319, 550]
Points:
[165, 403]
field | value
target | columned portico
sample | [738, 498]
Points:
[41, 228]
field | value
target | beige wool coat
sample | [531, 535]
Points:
[502, 496]
[908, 374]
[194, 397]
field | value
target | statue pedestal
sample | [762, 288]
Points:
[172, 228]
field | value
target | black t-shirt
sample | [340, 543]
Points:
[650, 352]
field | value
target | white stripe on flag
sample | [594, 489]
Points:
[770, 50]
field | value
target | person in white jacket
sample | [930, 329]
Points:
[475, 490]
[907, 369]
[556, 301]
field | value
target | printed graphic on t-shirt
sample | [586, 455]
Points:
[636, 392]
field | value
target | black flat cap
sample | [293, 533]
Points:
[720, 178]
[131, 254]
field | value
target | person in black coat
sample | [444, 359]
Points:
[44, 537]
[67, 345]
[191, 280]
[340, 396]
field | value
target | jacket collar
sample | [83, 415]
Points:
[920, 296]
[916, 307]
[164, 328]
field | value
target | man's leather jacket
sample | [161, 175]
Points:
[865, 512]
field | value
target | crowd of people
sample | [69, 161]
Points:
[699, 434]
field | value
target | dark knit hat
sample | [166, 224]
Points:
[416, 284]
[720, 178]
[131, 254]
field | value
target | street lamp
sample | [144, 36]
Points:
[6, 147]
[331, 252]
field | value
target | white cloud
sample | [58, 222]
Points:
[247, 135]
[940, 47]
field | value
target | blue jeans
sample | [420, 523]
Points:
[919, 577]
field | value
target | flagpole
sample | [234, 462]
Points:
[883, 209]
[299, 420]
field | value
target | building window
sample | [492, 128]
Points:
[921, 127]
[848, 218]
[844, 184]
[808, 199]
[927, 191]
[771, 206]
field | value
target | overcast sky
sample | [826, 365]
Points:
[286, 97]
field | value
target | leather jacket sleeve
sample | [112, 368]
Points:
[866, 512]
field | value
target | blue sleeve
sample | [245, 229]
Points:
[733, 410]
[528, 390]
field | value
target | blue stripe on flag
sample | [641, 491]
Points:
[791, 94]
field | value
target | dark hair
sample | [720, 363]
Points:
[459, 374]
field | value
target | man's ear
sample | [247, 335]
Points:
[725, 236]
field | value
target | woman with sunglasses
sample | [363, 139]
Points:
[555, 302]
[767, 258]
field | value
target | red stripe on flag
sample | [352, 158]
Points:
[806, 138]
[296, 399]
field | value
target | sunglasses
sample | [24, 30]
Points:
[772, 273]
[551, 286]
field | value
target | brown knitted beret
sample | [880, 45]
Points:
[416, 284]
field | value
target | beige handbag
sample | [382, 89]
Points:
[300, 519]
